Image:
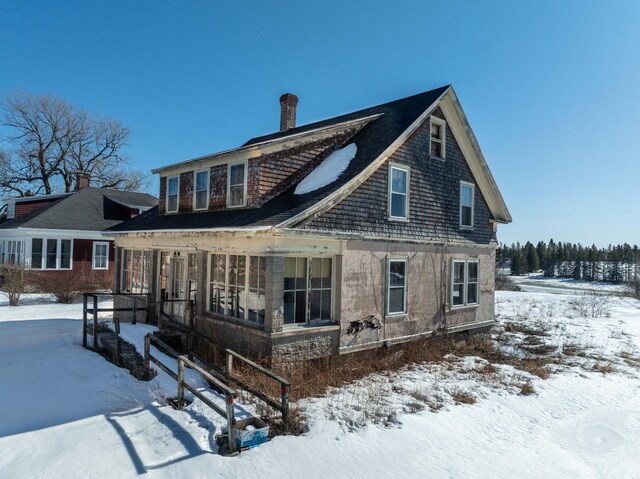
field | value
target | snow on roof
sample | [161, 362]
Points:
[328, 171]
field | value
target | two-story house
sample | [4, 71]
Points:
[366, 229]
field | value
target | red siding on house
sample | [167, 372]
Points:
[82, 266]
[25, 207]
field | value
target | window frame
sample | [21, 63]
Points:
[405, 287]
[145, 272]
[11, 210]
[308, 289]
[245, 163]
[465, 283]
[169, 178]
[407, 170]
[443, 137]
[93, 256]
[467, 184]
[195, 189]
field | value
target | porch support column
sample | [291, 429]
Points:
[201, 278]
[274, 301]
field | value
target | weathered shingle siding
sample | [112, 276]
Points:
[279, 171]
[162, 201]
[186, 192]
[434, 200]
[218, 187]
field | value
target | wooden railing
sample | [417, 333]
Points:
[282, 405]
[94, 310]
[183, 361]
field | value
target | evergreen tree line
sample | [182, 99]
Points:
[615, 264]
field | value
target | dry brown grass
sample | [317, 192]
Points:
[527, 389]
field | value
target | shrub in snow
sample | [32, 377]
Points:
[12, 282]
[328, 171]
[592, 304]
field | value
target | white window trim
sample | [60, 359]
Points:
[195, 186]
[246, 176]
[473, 204]
[58, 241]
[465, 303]
[178, 195]
[443, 131]
[405, 260]
[93, 255]
[407, 170]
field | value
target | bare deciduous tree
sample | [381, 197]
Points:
[50, 141]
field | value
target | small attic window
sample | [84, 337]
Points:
[437, 143]
[11, 210]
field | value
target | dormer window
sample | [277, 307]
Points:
[11, 210]
[437, 146]
[398, 193]
[237, 185]
[173, 183]
[467, 191]
[201, 193]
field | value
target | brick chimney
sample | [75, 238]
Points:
[82, 181]
[288, 104]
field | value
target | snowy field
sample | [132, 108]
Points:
[66, 412]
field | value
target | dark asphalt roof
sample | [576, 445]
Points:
[90, 209]
[371, 141]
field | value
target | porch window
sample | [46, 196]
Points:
[237, 299]
[237, 185]
[100, 255]
[217, 271]
[257, 279]
[136, 275]
[201, 194]
[165, 259]
[464, 283]
[173, 183]
[50, 253]
[36, 253]
[192, 276]
[295, 290]
[396, 286]
[308, 290]
[237, 286]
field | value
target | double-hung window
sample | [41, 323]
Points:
[308, 289]
[467, 191]
[100, 255]
[51, 253]
[396, 286]
[201, 190]
[398, 192]
[173, 187]
[437, 140]
[464, 283]
[237, 185]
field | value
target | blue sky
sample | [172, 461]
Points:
[550, 87]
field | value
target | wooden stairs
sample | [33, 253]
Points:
[123, 354]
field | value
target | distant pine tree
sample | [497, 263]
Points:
[531, 256]
[516, 263]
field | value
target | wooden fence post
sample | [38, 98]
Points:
[284, 391]
[116, 323]
[180, 382]
[84, 320]
[231, 424]
[229, 364]
[147, 349]
[96, 347]
[135, 311]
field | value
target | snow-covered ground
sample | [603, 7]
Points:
[66, 412]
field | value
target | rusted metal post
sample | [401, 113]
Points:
[135, 311]
[180, 382]
[231, 422]
[95, 323]
[84, 320]
[147, 349]
[116, 323]
[284, 391]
